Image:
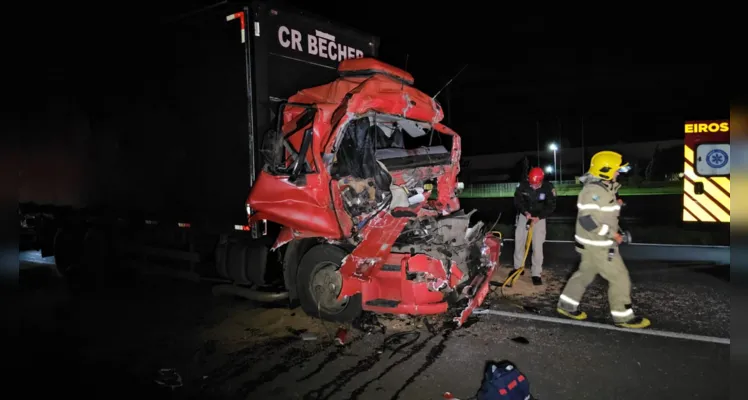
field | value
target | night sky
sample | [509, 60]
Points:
[631, 75]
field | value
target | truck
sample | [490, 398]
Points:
[268, 148]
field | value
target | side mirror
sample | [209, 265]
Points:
[298, 164]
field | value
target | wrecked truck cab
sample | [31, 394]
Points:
[362, 177]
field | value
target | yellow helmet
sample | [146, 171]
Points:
[605, 163]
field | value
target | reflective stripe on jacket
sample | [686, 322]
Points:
[597, 212]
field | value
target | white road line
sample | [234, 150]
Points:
[642, 244]
[676, 335]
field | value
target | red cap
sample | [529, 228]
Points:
[536, 176]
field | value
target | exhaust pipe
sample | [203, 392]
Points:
[249, 294]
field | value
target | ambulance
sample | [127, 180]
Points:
[706, 174]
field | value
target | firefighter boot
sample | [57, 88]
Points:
[577, 315]
[635, 323]
[568, 308]
[627, 318]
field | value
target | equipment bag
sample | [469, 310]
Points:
[503, 381]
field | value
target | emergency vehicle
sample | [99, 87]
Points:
[706, 171]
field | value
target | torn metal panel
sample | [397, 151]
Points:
[490, 255]
[381, 230]
[286, 235]
[305, 208]
[380, 177]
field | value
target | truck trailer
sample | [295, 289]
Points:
[272, 146]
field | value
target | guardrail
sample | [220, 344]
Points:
[571, 188]
[719, 255]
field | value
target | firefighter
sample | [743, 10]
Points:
[535, 200]
[597, 238]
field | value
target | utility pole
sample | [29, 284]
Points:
[560, 167]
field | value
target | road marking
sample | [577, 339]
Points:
[704, 246]
[676, 335]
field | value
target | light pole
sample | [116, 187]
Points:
[554, 148]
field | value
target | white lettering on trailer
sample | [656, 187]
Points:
[311, 45]
[322, 47]
[283, 31]
[321, 44]
[296, 40]
[327, 36]
[333, 52]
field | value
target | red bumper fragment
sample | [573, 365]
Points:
[493, 248]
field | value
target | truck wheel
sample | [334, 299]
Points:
[67, 251]
[319, 283]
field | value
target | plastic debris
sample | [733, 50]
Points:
[169, 377]
[340, 336]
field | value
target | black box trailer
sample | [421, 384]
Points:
[159, 158]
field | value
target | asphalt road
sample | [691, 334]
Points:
[112, 341]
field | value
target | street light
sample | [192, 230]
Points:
[548, 169]
[554, 148]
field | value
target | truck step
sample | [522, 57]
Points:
[383, 303]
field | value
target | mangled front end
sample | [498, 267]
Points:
[380, 182]
[414, 249]
[435, 264]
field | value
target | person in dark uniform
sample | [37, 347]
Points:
[535, 200]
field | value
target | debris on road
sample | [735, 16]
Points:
[340, 336]
[520, 339]
[169, 377]
[368, 322]
[308, 336]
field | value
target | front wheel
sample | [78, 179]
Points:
[319, 283]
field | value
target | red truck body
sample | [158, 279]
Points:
[366, 209]
[356, 179]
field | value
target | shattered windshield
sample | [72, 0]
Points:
[395, 142]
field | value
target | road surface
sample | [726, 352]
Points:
[115, 339]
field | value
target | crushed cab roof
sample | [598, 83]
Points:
[371, 85]
[371, 66]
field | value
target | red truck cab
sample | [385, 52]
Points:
[362, 176]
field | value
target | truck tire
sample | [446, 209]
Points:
[319, 270]
[242, 262]
[67, 251]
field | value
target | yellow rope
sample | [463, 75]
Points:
[515, 275]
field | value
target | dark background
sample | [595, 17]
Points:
[633, 74]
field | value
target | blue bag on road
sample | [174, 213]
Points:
[503, 381]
